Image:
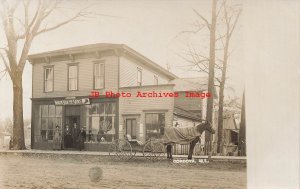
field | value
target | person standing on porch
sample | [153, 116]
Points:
[75, 135]
[81, 138]
[68, 137]
[57, 139]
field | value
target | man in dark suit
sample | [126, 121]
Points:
[81, 138]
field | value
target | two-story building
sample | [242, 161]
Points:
[63, 81]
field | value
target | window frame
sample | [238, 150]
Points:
[45, 68]
[131, 128]
[49, 133]
[155, 80]
[139, 83]
[94, 75]
[93, 132]
[148, 134]
[77, 78]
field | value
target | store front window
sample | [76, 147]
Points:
[102, 120]
[155, 123]
[49, 117]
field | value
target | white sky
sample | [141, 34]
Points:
[150, 27]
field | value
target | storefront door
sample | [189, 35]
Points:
[72, 127]
[71, 133]
[131, 128]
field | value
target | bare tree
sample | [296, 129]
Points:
[231, 17]
[215, 67]
[211, 67]
[32, 24]
[206, 64]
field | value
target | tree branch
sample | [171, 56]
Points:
[5, 64]
[60, 24]
[54, 6]
[36, 15]
[191, 31]
[235, 22]
[204, 19]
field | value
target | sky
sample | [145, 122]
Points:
[150, 27]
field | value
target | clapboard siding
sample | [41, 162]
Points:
[188, 103]
[85, 81]
[183, 122]
[140, 106]
[128, 73]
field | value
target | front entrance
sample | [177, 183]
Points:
[71, 127]
[131, 128]
[71, 132]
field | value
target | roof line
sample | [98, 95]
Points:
[104, 46]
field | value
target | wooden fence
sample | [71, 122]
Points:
[205, 149]
[200, 149]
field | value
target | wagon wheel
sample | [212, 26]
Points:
[120, 149]
[154, 150]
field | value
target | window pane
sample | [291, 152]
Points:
[161, 120]
[50, 135]
[44, 110]
[51, 111]
[106, 123]
[101, 108]
[99, 82]
[139, 76]
[72, 71]
[133, 129]
[44, 123]
[49, 85]
[101, 70]
[73, 84]
[51, 122]
[108, 108]
[95, 108]
[154, 124]
[58, 122]
[48, 73]
[48, 80]
[95, 124]
[113, 108]
[155, 80]
[58, 111]
[97, 70]
[128, 127]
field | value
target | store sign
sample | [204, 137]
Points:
[72, 102]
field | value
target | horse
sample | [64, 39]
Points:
[192, 137]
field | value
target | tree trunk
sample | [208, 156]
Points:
[242, 134]
[18, 142]
[221, 95]
[220, 119]
[211, 76]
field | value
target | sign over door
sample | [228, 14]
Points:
[72, 101]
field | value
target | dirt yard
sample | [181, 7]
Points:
[58, 173]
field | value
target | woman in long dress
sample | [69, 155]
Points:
[57, 139]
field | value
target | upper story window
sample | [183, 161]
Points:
[99, 76]
[48, 79]
[73, 77]
[139, 77]
[155, 80]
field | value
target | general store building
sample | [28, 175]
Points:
[62, 82]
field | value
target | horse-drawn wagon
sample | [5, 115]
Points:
[155, 148]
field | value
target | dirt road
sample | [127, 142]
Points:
[29, 172]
